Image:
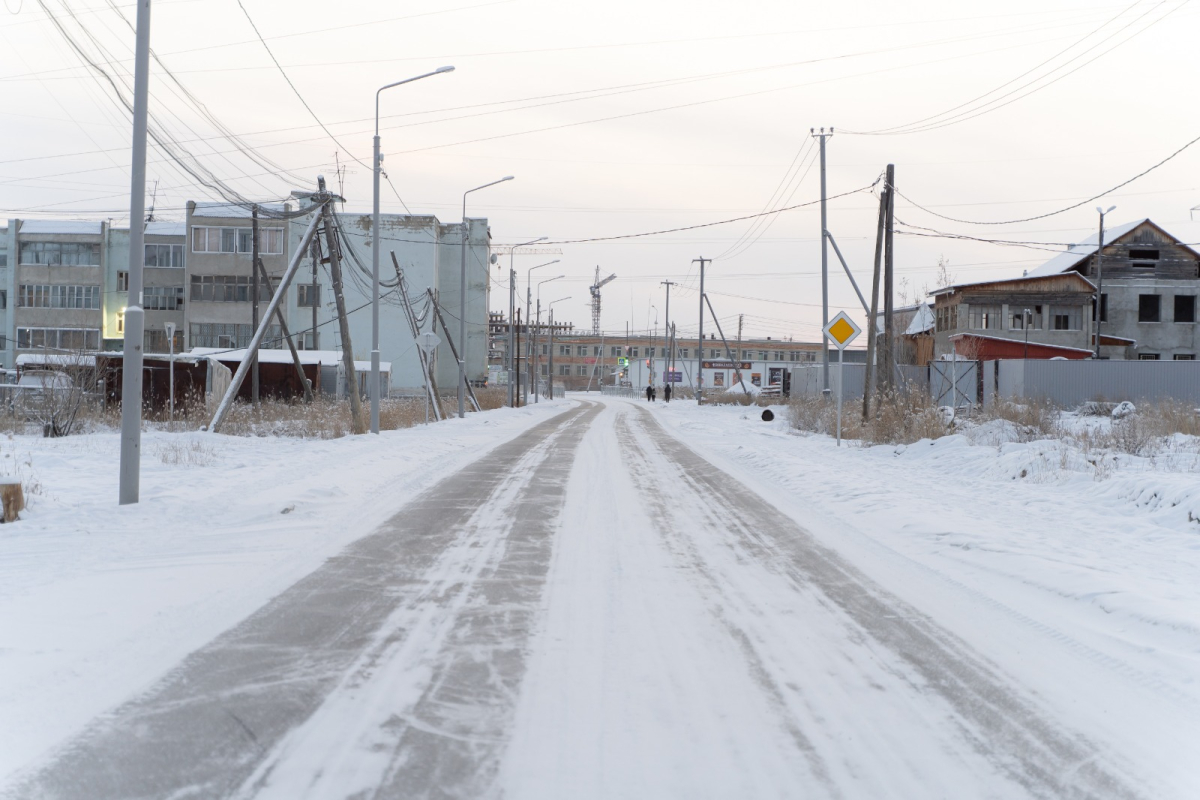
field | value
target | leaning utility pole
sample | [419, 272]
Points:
[700, 341]
[135, 316]
[437, 312]
[669, 361]
[254, 301]
[873, 316]
[335, 269]
[824, 266]
[889, 351]
[305, 384]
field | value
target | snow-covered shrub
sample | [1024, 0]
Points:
[1123, 409]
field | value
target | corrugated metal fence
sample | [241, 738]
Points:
[1069, 383]
[807, 381]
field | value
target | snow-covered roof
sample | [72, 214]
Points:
[58, 226]
[999, 282]
[1078, 252]
[55, 359]
[972, 335]
[266, 356]
[230, 210]
[922, 321]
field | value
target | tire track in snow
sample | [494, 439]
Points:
[207, 726]
[1020, 742]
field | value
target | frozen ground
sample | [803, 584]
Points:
[619, 601]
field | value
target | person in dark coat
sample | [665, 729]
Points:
[667, 393]
[649, 394]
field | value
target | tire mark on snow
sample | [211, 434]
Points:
[1029, 748]
[276, 668]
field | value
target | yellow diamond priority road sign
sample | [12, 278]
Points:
[841, 330]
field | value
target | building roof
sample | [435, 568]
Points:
[58, 226]
[232, 210]
[266, 356]
[1027, 277]
[1076, 253]
[1009, 340]
[922, 322]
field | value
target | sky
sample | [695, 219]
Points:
[628, 118]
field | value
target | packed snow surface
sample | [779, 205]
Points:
[600, 598]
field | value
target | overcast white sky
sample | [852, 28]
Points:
[647, 116]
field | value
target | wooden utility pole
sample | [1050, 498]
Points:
[266, 282]
[889, 261]
[415, 330]
[437, 312]
[316, 297]
[870, 379]
[335, 270]
[254, 300]
[700, 336]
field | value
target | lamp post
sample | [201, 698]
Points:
[512, 299]
[538, 324]
[653, 339]
[528, 329]
[373, 384]
[550, 377]
[462, 301]
[1100, 274]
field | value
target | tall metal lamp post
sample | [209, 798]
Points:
[1100, 274]
[462, 302]
[373, 384]
[512, 310]
[538, 324]
[529, 327]
[550, 315]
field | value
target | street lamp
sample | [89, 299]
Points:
[1100, 274]
[550, 377]
[536, 394]
[462, 301]
[528, 328]
[653, 337]
[373, 384]
[512, 300]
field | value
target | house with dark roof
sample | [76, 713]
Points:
[1148, 281]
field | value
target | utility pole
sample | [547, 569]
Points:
[889, 274]
[335, 269]
[135, 316]
[873, 336]
[824, 265]
[550, 375]
[261, 275]
[1099, 278]
[700, 342]
[254, 300]
[669, 360]
[314, 298]
[739, 347]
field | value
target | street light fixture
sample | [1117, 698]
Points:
[528, 328]
[373, 384]
[462, 301]
[1100, 274]
[512, 300]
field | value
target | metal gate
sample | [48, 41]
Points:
[954, 383]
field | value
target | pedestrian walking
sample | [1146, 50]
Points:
[649, 394]
[667, 393]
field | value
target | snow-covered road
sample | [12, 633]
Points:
[594, 609]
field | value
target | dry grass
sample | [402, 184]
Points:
[193, 453]
[898, 418]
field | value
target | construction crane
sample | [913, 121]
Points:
[595, 290]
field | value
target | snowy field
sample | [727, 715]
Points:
[1079, 584]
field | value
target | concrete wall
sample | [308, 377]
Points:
[1166, 338]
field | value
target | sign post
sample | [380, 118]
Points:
[428, 342]
[841, 331]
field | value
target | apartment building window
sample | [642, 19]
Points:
[122, 281]
[1185, 356]
[649, 352]
[779, 355]
[545, 349]
[683, 352]
[155, 341]
[617, 351]
[714, 353]
[226, 289]
[236, 240]
[40, 295]
[1149, 307]
[58, 338]
[3, 301]
[564, 349]
[3, 259]
[1148, 356]
[583, 351]
[583, 370]
[1185, 308]
[308, 295]
[1067, 319]
[983, 317]
[310, 341]
[545, 370]
[162, 298]
[564, 370]
[230, 335]
[597, 351]
[66, 254]
[634, 352]
[762, 355]
[164, 255]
